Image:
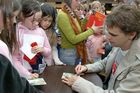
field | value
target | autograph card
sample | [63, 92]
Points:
[66, 74]
[37, 81]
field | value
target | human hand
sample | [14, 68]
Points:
[34, 75]
[80, 68]
[70, 80]
[97, 29]
[37, 49]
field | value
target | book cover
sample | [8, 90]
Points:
[97, 18]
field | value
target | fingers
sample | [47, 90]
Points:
[65, 81]
[97, 29]
[35, 75]
[37, 49]
[69, 80]
[78, 69]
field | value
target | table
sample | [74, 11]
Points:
[53, 74]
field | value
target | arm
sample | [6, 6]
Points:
[55, 56]
[5, 51]
[47, 51]
[105, 64]
[66, 28]
[97, 66]
[82, 85]
[126, 84]
[18, 65]
[47, 47]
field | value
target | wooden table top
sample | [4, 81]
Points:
[53, 74]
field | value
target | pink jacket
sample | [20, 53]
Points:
[5, 51]
[94, 45]
[18, 55]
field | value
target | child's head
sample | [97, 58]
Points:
[8, 11]
[48, 16]
[31, 14]
[96, 6]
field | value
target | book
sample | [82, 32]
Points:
[37, 81]
[97, 19]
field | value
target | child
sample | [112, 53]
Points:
[48, 23]
[95, 47]
[95, 43]
[34, 47]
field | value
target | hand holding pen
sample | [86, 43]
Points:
[80, 68]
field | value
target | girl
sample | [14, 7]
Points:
[10, 81]
[34, 47]
[7, 31]
[48, 23]
[95, 44]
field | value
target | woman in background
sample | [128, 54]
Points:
[72, 49]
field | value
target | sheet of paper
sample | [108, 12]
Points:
[26, 49]
[37, 81]
[27, 41]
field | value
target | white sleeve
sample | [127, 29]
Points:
[55, 56]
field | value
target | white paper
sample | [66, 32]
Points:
[37, 81]
[66, 74]
[27, 41]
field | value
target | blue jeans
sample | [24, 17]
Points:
[68, 55]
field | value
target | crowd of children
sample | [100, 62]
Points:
[29, 34]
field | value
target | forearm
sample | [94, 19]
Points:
[47, 48]
[83, 86]
[55, 56]
[96, 67]
[19, 67]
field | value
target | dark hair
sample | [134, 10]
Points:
[30, 7]
[137, 3]
[125, 17]
[48, 10]
[68, 2]
[8, 33]
[17, 5]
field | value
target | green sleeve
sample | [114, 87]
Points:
[67, 30]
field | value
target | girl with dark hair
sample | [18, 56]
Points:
[30, 36]
[48, 23]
